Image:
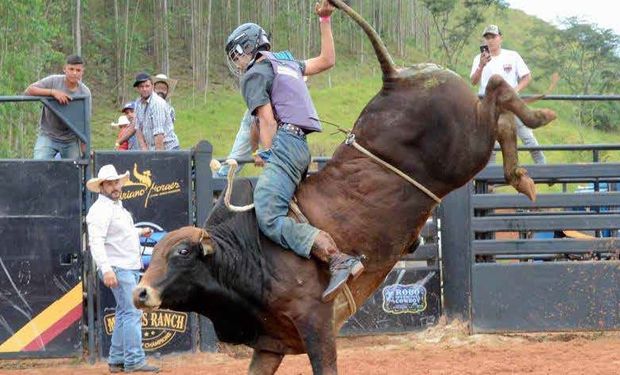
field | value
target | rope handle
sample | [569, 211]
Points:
[232, 163]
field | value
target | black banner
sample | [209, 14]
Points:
[158, 196]
[40, 258]
[159, 186]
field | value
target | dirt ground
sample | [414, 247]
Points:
[443, 349]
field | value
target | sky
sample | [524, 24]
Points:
[601, 12]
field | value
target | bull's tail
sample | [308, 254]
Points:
[555, 77]
[385, 60]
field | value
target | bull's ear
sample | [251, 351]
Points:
[206, 242]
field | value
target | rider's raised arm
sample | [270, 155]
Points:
[327, 58]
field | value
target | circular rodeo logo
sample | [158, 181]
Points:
[158, 327]
[404, 298]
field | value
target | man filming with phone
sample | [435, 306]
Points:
[493, 59]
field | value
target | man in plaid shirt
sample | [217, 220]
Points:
[154, 126]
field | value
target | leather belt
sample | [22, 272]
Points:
[290, 128]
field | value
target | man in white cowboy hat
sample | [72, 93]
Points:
[115, 247]
[163, 86]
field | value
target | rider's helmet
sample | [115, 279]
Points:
[246, 39]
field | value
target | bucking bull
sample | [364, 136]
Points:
[428, 125]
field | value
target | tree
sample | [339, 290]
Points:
[586, 57]
[454, 26]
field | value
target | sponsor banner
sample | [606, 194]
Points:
[158, 187]
[409, 299]
[157, 195]
[159, 327]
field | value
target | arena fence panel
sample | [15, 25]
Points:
[41, 292]
[511, 265]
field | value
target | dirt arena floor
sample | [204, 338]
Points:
[443, 349]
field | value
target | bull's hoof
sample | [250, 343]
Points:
[524, 184]
[548, 114]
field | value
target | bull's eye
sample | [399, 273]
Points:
[183, 251]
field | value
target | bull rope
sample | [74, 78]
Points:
[351, 141]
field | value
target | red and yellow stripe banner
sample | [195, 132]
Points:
[48, 324]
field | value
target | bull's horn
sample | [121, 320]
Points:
[206, 243]
[385, 60]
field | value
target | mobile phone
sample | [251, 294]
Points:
[484, 48]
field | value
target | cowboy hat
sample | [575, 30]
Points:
[168, 81]
[106, 173]
[122, 120]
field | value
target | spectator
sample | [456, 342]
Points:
[129, 132]
[154, 127]
[122, 123]
[510, 65]
[163, 87]
[54, 136]
[115, 246]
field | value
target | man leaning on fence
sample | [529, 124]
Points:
[55, 137]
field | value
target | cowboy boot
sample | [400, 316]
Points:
[341, 265]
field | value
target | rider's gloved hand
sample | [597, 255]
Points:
[265, 154]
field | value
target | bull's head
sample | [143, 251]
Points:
[176, 271]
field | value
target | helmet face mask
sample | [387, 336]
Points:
[243, 45]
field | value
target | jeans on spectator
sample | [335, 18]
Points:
[527, 137]
[274, 190]
[241, 149]
[46, 148]
[126, 346]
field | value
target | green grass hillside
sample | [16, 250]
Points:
[217, 119]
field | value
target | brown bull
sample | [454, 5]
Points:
[426, 122]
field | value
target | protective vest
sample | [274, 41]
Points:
[290, 97]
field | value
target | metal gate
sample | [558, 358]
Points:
[559, 274]
[40, 258]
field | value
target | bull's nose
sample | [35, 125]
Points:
[139, 297]
[146, 297]
[142, 295]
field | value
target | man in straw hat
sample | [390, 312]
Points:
[163, 86]
[115, 247]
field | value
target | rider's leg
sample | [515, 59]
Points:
[272, 195]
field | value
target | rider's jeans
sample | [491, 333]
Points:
[288, 162]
